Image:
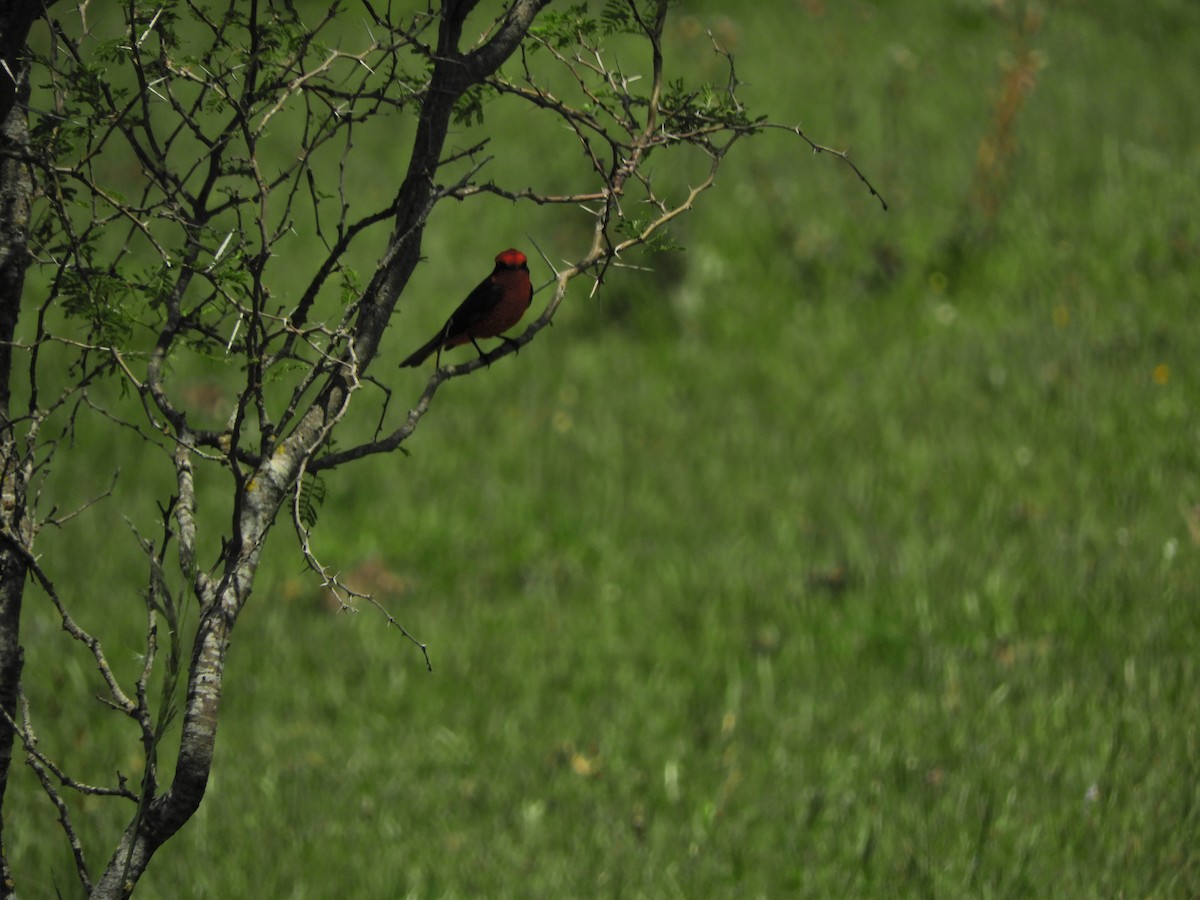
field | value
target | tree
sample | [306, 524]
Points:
[238, 124]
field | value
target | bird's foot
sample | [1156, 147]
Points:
[487, 360]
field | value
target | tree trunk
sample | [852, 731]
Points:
[156, 822]
[16, 189]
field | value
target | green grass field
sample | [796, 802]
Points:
[849, 554]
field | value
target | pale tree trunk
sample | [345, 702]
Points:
[160, 818]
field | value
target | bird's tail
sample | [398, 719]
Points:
[421, 354]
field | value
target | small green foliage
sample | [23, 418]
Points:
[660, 240]
[102, 300]
[351, 284]
[687, 109]
[312, 495]
[157, 284]
[469, 109]
[565, 27]
[617, 17]
[113, 51]
[576, 26]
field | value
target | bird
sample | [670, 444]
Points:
[496, 305]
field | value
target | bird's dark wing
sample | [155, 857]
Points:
[479, 303]
[476, 307]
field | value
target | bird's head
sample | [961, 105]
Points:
[512, 259]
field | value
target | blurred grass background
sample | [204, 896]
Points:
[848, 553]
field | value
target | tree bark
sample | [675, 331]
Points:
[15, 22]
[16, 190]
[158, 820]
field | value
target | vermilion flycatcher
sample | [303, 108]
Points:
[492, 308]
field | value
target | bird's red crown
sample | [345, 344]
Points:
[511, 259]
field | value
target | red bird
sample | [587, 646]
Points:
[493, 307]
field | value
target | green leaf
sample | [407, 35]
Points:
[312, 495]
